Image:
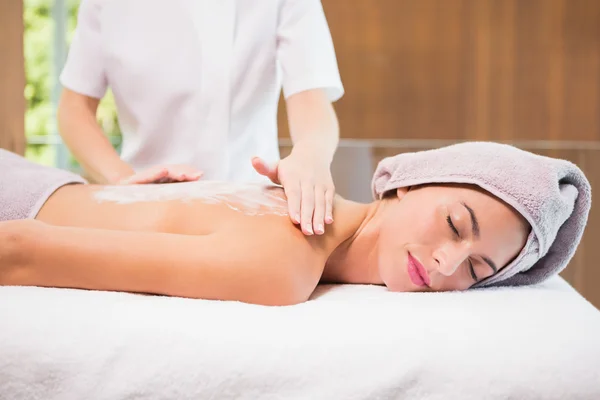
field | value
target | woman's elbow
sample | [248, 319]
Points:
[17, 238]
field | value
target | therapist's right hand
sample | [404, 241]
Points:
[163, 174]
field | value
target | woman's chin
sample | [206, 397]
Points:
[396, 278]
[405, 287]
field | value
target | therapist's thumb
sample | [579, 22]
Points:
[264, 169]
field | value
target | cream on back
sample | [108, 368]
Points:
[247, 198]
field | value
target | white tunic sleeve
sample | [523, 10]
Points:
[84, 70]
[305, 50]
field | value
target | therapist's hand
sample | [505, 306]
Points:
[308, 186]
[163, 174]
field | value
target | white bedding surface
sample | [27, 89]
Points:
[348, 342]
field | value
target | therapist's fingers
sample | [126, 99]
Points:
[293, 193]
[164, 174]
[264, 169]
[319, 213]
[329, 196]
[147, 176]
[182, 173]
[178, 178]
[307, 208]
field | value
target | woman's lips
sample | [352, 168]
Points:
[416, 272]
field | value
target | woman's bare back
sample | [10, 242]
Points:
[203, 240]
[194, 208]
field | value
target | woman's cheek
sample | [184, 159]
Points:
[454, 282]
[392, 263]
[388, 270]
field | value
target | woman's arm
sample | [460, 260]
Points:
[84, 138]
[221, 266]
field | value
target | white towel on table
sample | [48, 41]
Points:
[348, 342]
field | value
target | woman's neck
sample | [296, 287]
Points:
[355, 234]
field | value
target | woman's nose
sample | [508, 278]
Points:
[450, 257]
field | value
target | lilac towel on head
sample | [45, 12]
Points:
[552, 194]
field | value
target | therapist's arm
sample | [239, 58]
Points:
[313, 125]
[85, 139]
[306, 173]
[90, 146]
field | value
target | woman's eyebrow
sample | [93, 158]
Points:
[474, 222]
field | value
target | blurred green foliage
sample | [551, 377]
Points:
[41, 78]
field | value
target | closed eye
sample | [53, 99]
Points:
[452, 227]
[457, 234]
[472, 271]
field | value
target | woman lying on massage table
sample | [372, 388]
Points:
[220, 241]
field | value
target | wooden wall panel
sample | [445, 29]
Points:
[467, 69]
[12, 77]
[587, 278]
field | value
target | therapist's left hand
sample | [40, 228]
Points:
[308, 186]
[163, 174]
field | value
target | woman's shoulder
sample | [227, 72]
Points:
[277, 241]
[276, 247]
[274, 233]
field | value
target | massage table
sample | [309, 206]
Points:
[348, 342]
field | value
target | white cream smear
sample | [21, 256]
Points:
[248, 198]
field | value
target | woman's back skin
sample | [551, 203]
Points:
[249, 231]
[83, 206]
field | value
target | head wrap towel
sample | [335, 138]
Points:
[553, 195]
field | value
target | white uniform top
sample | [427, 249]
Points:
[198, 81]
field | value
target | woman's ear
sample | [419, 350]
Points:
[401, 192]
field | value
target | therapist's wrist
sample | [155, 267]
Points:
[314, 151]
[116, 175]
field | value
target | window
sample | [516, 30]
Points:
[49, 26]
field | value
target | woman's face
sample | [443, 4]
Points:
[446, 237]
